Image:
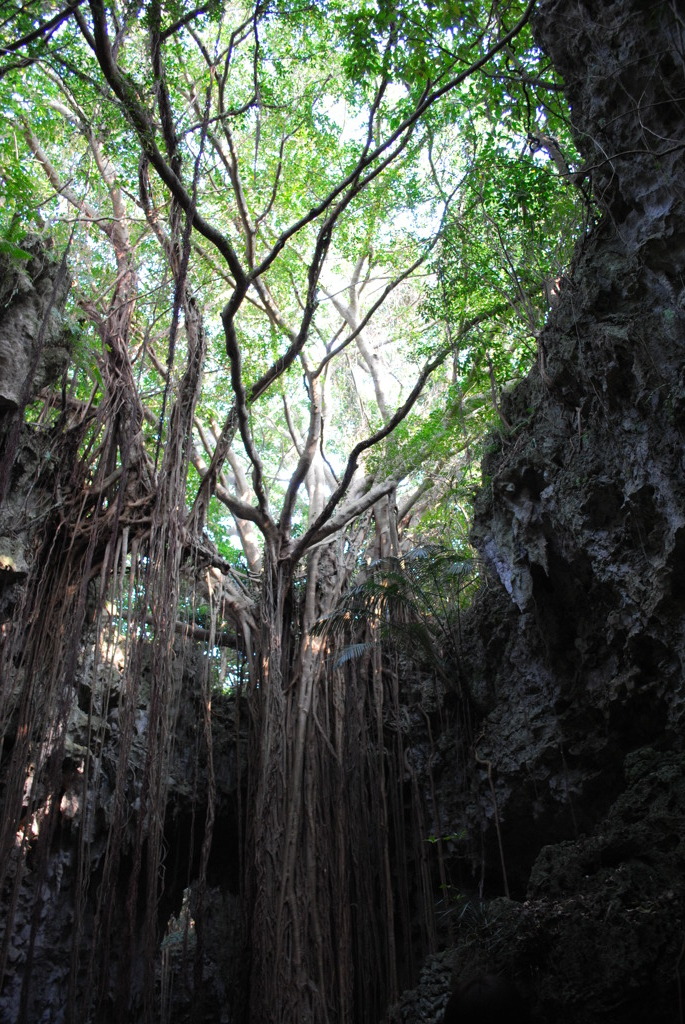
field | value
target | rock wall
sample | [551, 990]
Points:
[52, 906]
[33, 353]
[578, 646]
[32, 349]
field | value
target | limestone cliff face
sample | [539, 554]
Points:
[33, 353]
[578, 648]
[51, 908]
[32, 295]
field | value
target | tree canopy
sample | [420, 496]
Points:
[364, 204]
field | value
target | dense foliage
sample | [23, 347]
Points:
[362, 207]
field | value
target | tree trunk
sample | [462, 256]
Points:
[323, 814]
[297, 831]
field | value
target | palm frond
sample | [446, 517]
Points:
[413, 602]
[353, 651]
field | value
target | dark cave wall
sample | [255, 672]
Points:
[52, 907]
[577, 646]
[583, 515]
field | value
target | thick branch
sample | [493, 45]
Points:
[83, 207]
[241, 510]
[42, 29]
[324, 525]
[125, 92]
[306, 457]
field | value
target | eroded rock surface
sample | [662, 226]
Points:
[33, 353]
[32, 349]
[51, 906]
[578, 649]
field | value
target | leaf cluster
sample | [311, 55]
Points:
[412, 603]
